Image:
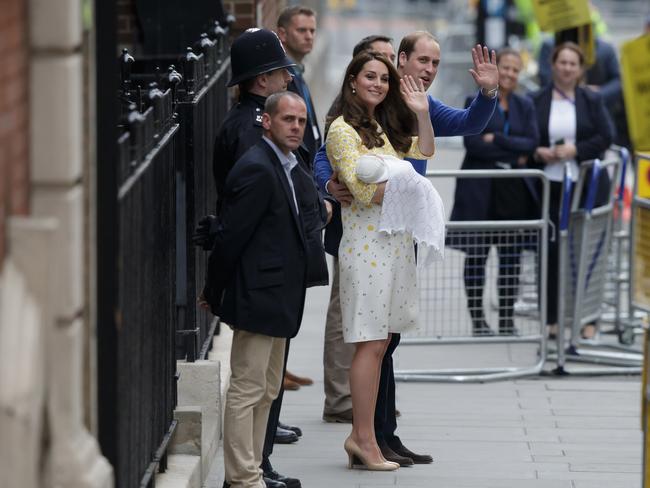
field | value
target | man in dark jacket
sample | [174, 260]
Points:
[259, 67]
[297, 30]
[257, 279]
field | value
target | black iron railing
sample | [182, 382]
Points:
[201, 107]
[146, 302]
[168, 122]
[197, 82]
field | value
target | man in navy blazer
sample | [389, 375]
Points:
[297, 31]
[257, 277]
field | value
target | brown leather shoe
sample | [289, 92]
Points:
[301, 380]
[287, 384]
[392, 456]
[338, 418]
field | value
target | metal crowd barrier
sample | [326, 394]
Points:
[584, 242]
[618, 310]
[450, 291]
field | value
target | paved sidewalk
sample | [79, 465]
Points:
[541, 433]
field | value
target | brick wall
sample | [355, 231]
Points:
[270, 12]
[245, 12]
[127, 29]
[14, 132]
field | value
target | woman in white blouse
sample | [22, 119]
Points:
[574, 126]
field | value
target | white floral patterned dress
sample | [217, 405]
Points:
[378, 276]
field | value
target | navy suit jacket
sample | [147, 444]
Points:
[594, 128]
[257, 270]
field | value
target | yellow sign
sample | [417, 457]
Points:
[641, 260]
[635, 63]
[557, 15]
[643, 178]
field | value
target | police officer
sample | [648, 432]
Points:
[259, 66]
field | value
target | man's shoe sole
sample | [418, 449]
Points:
[337, 419]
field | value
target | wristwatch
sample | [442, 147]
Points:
[491, 93]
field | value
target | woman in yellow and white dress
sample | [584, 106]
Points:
[378, 113]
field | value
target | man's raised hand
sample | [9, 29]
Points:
[485, 72]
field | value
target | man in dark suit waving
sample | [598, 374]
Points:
[257, 278]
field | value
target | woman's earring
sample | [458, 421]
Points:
[354, 91]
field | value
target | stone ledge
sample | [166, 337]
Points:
[199, 389]
[183, 471]
[187, 438]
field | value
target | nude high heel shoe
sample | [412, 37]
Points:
[356, 459]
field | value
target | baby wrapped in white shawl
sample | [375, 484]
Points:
[411, 203]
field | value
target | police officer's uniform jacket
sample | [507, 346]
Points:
[240, 130]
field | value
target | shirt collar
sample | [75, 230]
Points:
[288, 161]
[298, 69]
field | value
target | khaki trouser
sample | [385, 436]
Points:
[337, 355]
[256, 374]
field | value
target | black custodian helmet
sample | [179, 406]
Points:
[254, 52]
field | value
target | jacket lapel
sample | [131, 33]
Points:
[544, 112]
[277, 165]
[581, 108]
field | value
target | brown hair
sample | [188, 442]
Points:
[571, 46]
[392, 114]
[284, 19]
[366, 43]
[407, 45]
[507, 51]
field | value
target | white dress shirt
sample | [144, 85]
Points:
[288, 163]
[561, 125]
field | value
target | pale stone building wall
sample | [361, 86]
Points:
[44, 351]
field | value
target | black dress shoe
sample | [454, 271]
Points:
[294, 429]
[276, 477]
[481, 328]
[392, 456]
[284, 436]
[226, 485]
[417, 458]
[273, 483]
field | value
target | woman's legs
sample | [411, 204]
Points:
[474, 276]
[508, 284]
[364, 384]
